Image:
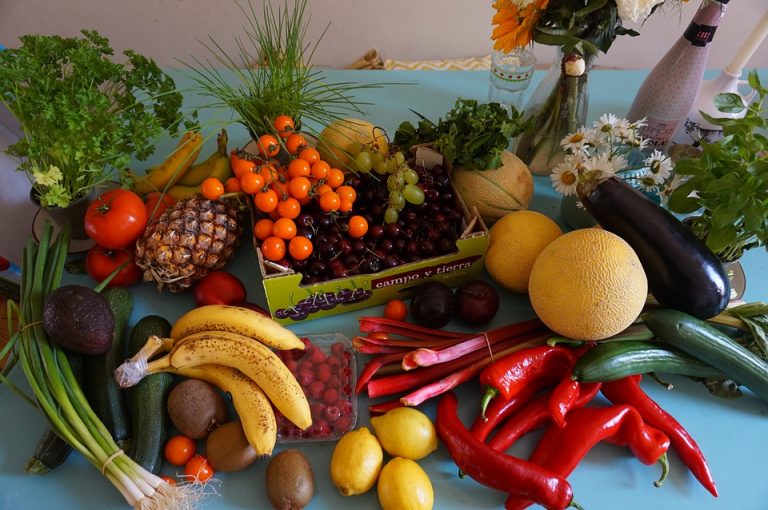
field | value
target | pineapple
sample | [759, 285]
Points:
[189, 240]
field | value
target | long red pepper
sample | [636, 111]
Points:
[533, 415]
[628, 391]
[562, 448]
[563, 397]
[510, 374]
[494, 469]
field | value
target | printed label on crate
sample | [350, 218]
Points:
[425, 272]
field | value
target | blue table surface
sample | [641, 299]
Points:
[732, 433]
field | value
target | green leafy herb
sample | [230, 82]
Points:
[472, 134]
[83, 115]
[727, 184]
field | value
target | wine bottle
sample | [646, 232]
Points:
[668, 92]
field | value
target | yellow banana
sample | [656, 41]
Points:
[217, 163]
[250, 401]
[236, 319]
[253, 359]
[179, 192]
[173, 167]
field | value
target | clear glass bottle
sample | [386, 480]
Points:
[669, 90]
[511, 73]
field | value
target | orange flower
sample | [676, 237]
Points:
[514, 25]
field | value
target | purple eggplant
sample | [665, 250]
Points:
[682, 272]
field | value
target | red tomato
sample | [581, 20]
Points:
[255, 308]
[219, 288]
[396, 309]
[101, 261]
[179, 449]
[198, 469]
[154, 200]
[116, 219]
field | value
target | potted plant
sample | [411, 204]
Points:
[725, 187]
[83, 116]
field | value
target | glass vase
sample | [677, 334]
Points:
[557, 107]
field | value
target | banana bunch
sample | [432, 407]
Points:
[216, 165]
[173, 167]
[231, 348]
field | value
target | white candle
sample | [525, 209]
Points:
[750, 45]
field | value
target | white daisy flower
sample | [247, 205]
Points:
[575, 142]
[619, 162]
[600, 164]
[565, 177]
[606, 123]
[594, 137]
[659, 166]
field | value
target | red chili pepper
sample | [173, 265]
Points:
[562, 398]
[499, 410]
[534, 415]
[508, 375]
[628, 391]
[561, 449]
[496, 469]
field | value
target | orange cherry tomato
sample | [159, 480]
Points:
[396, 309]
[268, 145]
[300, 247]
[289, 208]
[268, 172]
[357, 226]
[345, 205]
[335, 178]
[252, 183]
[179, 449]
[263, 228]
[298, 168]
[322, 189]
[167, 479]
[284, 125]
[212, 188]
[284, 228]
[240, 165]
[346, 193]
[329, 201]
[299, 187]
[266, 201]
[309, 155]
[273, 248]
[232, 185]
[198, 470]
[305, 200]
[295, 142]
[320, 170]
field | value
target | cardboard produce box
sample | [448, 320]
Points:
[289, 301]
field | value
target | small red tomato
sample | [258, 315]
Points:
[284, 125]
[254, 307]
[179, 449]
[198, 470]
[156, 204]
[100, 262]
[116, 219]
[219, 288]
[268, 146]
[396, 309]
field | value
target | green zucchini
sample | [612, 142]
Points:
[147, 400]
[710, 345]
[103, 393]
[610, 361]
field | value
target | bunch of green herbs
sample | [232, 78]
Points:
[472, 134]
[83, 116]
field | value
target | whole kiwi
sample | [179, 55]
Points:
[290, 481]
[196, 408]
[227, 448]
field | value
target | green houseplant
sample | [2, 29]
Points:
[725, 187]
[83, 115]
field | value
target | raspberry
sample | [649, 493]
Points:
[332, 413]
[334, 363]
[305, 378]
[316, 409]
[324, 372]
[317, 356]
[292, 364]
[330, 396]
[345, 406]
[334, 382]
[306, 364]
[343, 424]
[316, 390]
[338, 349]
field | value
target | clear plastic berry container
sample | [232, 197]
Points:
[327, 371]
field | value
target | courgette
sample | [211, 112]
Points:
[610, 361]
[147, 400]
[682, 272]
[102, 390]
[710, 345]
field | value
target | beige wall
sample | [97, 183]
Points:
[168, 30]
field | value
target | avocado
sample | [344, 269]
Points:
[79, 319]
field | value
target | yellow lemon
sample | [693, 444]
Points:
[588, 285]
[403, 485]
[356, 462]
[405, 432]
[515, 242]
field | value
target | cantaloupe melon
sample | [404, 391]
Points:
[497, 192]
[336, 138]
[588, 284]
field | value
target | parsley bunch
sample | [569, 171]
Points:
[472, 134]
[83, 115]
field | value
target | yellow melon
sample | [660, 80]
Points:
[588, 284]
[495, 192]
[336, 138]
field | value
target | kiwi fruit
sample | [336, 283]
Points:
[227, 448]
[196, 408]
[290, 481]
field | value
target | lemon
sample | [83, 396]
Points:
[403, 485]
[515, 242]
[588, 285]
[356, 462]
[405, 432]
